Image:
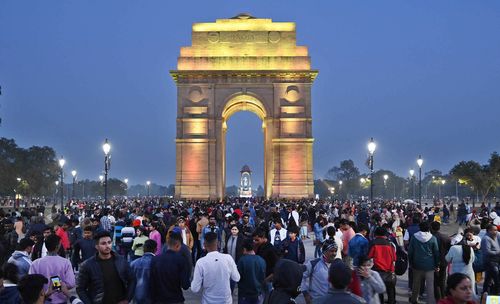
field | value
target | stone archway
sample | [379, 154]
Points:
[244, 64]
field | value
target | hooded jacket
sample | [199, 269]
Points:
[22, 260]
[287, 279]
[423, 252]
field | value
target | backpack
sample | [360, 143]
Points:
[478, 265]
[401, 262]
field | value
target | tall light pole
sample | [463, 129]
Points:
[340, 189]
[126, 185]
[371, 149]
[412, 177]
[106, 147]
[420, 162]
[148, 184]
[55, 191]
[62, 161]
[73, 173]
[441, 182]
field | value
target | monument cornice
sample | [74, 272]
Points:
[207, 76]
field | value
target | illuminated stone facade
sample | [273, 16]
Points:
[244, 64]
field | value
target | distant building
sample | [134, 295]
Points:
[246, 182]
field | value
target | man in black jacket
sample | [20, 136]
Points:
[105, 277]
[169, 273]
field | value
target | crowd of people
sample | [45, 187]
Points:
[151, 250]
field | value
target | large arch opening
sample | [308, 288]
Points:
[237, 104]
[244, 146]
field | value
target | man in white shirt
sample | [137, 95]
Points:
[277, 235]
[213, 272]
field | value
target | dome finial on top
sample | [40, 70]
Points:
[244, 16]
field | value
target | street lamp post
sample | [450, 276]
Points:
[412, 177]
[126, 185]
[62, 161]
[106, 147]
[442, 182]
[420, 162]
[340, 189]
[73, 173]
[148, 184]
[386, 177]
[371, 149]
[55, 191]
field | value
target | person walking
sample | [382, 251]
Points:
[155, 235]
[315, 278]
[169, 273]
[461, 256]
[268, 253]
[358, 245]
[293, 246]
[106, 277]
[370, 280]
[383, 253]
[54, 265]
[84, 248]
[490, 248]
[423, 257]
[213, 272]
[21, 257]
[252, 269]
[339, 277]
[141, 268]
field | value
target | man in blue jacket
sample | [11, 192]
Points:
[423, 257]
[358, 245]
[141, 268]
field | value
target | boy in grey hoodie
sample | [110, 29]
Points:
[423, 257]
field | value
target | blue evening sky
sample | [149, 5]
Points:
[421, 77]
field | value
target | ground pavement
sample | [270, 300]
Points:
[402, 293]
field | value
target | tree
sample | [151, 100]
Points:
[482, 178]
[36, 166]
[346, 171]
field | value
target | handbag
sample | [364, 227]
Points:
[388, 277]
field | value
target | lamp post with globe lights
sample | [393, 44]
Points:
[340, 189]
[371, 149]
[73, 173]
[126, 185]
[106, 147]
[441, 182]
[62, 161]
[148, 184]
[412, 176]
[420, 162]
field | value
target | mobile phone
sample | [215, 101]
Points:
[56, 282]
[492, 299]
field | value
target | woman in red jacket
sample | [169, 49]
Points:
[458, 290]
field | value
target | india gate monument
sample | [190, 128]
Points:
[244, 64]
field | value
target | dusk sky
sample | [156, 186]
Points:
[421, 77]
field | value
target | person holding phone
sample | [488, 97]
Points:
[53, 265]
